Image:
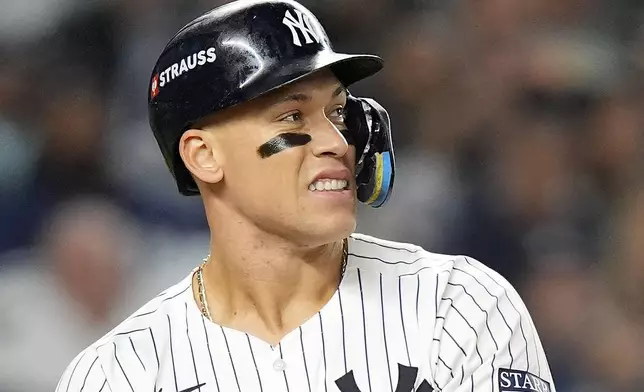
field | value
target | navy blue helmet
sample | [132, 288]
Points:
[245, 49]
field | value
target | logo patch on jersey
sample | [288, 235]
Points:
[521, 381]
[301, 24]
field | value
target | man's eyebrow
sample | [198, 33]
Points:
[339, 91]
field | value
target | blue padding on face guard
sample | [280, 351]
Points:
[382, 192]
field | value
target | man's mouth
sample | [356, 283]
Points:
[325, 185]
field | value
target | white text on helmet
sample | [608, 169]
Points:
[189, 63]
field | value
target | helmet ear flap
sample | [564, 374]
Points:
[370, 125]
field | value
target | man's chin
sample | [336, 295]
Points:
[336, 229]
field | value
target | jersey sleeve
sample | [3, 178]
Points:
[484, 338]
[84, 373]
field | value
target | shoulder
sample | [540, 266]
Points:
[139, 338]
[448, 277]
[404, 259]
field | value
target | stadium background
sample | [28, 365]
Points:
[518, 127]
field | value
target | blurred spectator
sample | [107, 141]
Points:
[73, 125]
[66, 157]
[20, 146]
[623, 258]
[73, 292]
[615, 144]
[594, 345]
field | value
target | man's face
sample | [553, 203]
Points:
[288, 165]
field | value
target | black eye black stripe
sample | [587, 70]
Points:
[282, 142]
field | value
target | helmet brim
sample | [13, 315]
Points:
[348, 68]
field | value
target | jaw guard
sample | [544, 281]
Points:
[369, 123]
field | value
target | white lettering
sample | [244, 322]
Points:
[535, 382]
[167, 75]
[212, 56]
[519, 380]
[527, 381]
[192, 64]
[302, 24]
[183, 67]
[202, 57]
[516, 379]
[505, 380]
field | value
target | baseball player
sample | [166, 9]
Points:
[250, 106]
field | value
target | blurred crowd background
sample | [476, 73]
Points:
[518, 128]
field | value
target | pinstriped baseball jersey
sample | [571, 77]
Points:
[403, 319]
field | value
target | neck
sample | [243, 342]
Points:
[268, 286]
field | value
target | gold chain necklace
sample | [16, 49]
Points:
[203, 301]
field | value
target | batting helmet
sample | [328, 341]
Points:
[233, 54]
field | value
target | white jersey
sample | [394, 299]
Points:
[403, 319]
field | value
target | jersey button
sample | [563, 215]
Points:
[279, 365]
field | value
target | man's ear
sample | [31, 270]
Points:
[198, 149]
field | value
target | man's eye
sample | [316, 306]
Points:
[293, 117]
[340, 113]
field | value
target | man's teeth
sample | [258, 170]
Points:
[328, 185]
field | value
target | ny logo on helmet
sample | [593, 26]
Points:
[303, 24]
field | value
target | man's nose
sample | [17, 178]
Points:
[328, 139]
